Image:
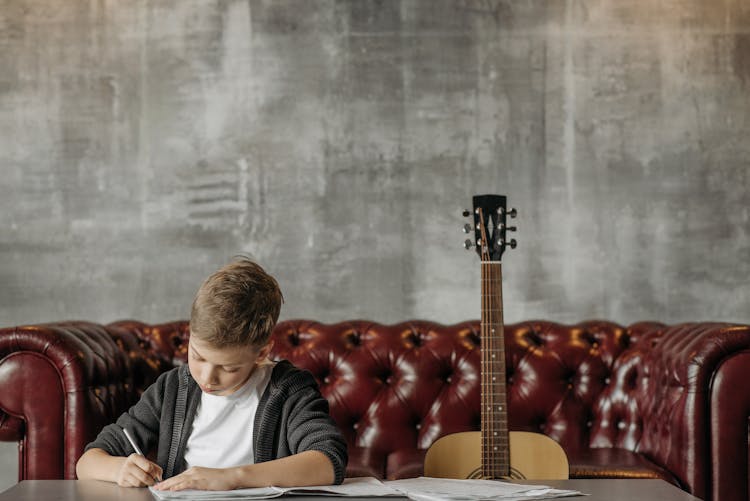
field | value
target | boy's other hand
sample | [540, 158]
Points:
[137, 471]
[198, 477]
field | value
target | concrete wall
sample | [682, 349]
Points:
[144, 143]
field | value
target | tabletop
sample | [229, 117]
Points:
[598, 490]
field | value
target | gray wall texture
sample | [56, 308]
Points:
[144, 143]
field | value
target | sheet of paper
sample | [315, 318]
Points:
[351, 487]
[444, 489]
[254, 493]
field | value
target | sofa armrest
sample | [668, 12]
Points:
[730, 416]
[59, 385]
[683, 380]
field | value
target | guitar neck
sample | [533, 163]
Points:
[494, 428]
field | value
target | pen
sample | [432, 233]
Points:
[132, 442]
[137, 449]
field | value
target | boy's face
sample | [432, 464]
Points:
[222, 371]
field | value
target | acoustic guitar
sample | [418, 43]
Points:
[494, 452]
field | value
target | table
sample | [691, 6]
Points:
[599, 490]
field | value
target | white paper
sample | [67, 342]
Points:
[351, 487]
[254, 493]
[444, 489]
[417, 489]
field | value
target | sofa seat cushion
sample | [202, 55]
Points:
[405, 463]
[615, 463]
[402, 463]
[365, 462]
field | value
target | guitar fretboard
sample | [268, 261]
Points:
[494, 428]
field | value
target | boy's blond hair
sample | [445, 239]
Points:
[236, 306]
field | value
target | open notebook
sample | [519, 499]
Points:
[417, 489]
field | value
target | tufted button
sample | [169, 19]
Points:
[416, 339]
[355, 426]
[606, 380]
[589, 424]
[534, 339]
[418, 426]
[625, 341]
[327, 380]
[474, 339]
[448, 379]
[293, 339]
[632, 380]
[621, 425]
[354, 338]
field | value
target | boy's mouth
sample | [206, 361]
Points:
[208, 390]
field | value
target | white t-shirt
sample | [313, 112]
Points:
[222, 434]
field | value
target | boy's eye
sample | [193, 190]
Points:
[230, 370]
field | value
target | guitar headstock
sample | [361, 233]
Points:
[490, 228]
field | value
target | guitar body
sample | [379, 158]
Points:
[533, 456]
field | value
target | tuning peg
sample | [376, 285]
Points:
[512, 243]
[467, 228]
[513, 212]
[510, 228]
[468, 244]
[466, 213]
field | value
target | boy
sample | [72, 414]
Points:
[230, 418]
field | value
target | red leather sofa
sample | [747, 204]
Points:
[645, 400]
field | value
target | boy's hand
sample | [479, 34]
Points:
[198, 477]
[137, 471]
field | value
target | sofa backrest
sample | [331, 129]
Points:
[403, 386]
[406, 385]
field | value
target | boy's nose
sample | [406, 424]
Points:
[209, 377]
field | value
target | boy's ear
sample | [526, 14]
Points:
[263, 353]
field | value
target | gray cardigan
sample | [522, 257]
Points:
[292, 417]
